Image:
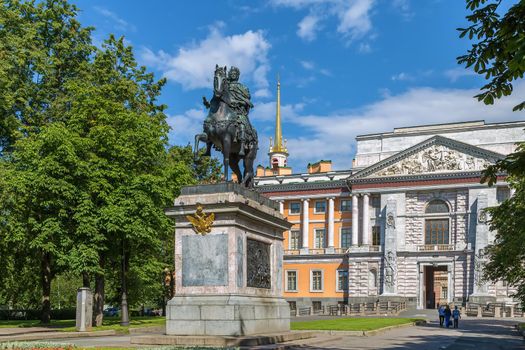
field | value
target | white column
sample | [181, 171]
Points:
[305, 223]
[366, 220]
[281, 207]
[330, 222]
[355, 219]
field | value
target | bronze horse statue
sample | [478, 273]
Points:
[222, 130]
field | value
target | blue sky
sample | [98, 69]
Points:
[347, 67]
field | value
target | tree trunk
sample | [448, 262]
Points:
[98, 302]
[124, 313]
[85, 280]
[45, 279]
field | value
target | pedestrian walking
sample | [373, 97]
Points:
[441, 313]
[456, 315]
[448, 313]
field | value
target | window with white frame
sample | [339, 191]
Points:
[319, 238]
[342, 280]
[320, 207]
[346, 237]
[502, 194]
[444, 292]
[316, 280]
[291, 281]
[346, 205]
[295, 240]
[295, 208]
[437, 229]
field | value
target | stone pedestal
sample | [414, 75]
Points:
[84, 310]
[228, 282]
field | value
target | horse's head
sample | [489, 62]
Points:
[219, 79]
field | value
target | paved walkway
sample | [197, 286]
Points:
[478, 334]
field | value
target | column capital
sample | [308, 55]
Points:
[305, 199]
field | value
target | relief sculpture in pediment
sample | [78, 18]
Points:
[436, 158]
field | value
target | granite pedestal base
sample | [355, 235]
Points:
[233, 315]
[228, 280]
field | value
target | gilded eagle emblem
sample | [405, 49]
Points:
[200, 221]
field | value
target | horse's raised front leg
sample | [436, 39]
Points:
[226, 146]
[198, 138]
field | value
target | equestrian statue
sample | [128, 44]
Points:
[227, 127]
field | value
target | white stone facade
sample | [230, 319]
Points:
[410, 168]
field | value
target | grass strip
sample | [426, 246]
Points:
[351, 324]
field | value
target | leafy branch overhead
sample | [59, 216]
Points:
[499, 53]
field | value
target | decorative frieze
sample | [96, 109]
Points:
[436, 158]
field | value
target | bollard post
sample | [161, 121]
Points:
[512, 311]
[480, 312]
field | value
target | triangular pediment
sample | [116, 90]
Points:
[433, 156]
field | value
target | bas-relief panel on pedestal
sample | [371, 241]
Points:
[258, 264]
[436, 158]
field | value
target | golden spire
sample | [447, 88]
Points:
[278, 141]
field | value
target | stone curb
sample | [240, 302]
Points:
[152, 329]
[372, 332]
[56, 335]
[222, 341]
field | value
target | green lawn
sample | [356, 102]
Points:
[351, 324]
[109, 323]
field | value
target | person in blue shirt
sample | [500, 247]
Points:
[456, 315]
[448, 313]
[441, 313]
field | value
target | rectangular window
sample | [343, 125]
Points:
[346, 205]
[295, 208]
[346, 237]
[376, 235]
[342, 280]
[316, 305]
[291, 281]
[436, 231]
[375, 201]
[295, 240]
[502, 194]
[320, 207]
[444, 292]
[319, 238]
[317, 280]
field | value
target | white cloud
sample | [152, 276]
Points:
[455, 73]
[364, 48]
[191, 66]
[403, 6]
[185, 126]
[118, 22]
[355, 19]
[353, 16]
[308, 27]
[266, 111]
[307, 65]
[333, 136]
[402, 77]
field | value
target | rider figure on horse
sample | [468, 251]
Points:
[239, 102]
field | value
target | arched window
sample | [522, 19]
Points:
[436, 206]
[437, 229]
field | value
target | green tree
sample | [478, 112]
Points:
[42, 47]
[499, 55]
[205, 169]
[499, 50]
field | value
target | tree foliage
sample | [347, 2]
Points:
[499, 55]
[499, 51]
